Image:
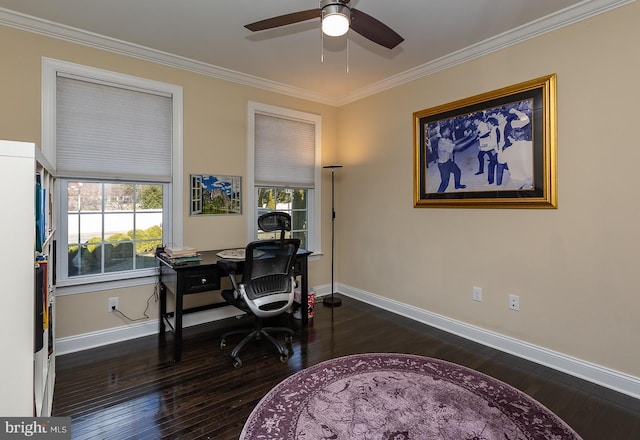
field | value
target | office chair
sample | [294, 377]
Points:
[267, 284]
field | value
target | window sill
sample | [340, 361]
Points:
[88, 286]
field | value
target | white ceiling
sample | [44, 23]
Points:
[208, 36]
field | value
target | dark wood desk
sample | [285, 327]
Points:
[203, 276]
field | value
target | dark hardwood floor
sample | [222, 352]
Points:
[133, 390]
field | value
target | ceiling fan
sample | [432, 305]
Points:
[337, 17]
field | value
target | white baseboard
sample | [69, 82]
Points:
[86, 341]
[606, 377]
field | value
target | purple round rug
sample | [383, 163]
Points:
[391, 396]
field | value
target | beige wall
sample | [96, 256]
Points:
[215, 126]
[574, 268]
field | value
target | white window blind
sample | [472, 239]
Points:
[110, 132]
[284, 152]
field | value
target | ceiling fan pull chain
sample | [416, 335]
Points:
[321, 47]
[347, 55]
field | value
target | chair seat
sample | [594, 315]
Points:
[229, 297]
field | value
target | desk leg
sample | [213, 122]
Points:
[304, 293]
[177, 345]
[163, 307]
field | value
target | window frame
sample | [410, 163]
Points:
[172, 191]
[63, 261]
[313, 194]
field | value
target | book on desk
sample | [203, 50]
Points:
[179, 251]
[180, 254]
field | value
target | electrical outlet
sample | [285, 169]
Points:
[477, 293]
[514, 302]
[113, 304]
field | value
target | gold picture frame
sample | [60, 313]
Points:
[493, 150]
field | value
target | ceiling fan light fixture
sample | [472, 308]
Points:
[335, 20]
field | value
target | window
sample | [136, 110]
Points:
[284, 158]
[290, 200]
[115, 141]
[112, 227]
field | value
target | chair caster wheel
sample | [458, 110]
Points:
[284, 358]
[223, 344]
[288, 339]
[237, 363]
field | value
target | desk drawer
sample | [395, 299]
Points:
[201, 280]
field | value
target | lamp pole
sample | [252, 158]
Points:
[332, 301]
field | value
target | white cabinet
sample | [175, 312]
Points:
[27, 370]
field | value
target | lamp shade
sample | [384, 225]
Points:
[335, 20]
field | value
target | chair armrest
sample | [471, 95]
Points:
[228, 266]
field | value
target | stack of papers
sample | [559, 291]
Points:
[238, 254]
[232, 254]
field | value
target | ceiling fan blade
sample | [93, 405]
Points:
[284, 20]
[374, 30]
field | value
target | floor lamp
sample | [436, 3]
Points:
[332, 301]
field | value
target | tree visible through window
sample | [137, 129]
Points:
[291, 201]
[112, 227]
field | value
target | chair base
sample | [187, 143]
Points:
[257, 334]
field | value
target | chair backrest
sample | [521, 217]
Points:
[267, 275]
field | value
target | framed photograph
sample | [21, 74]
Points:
[494, 150]
[215, 195]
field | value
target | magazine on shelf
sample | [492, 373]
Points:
[41, 214]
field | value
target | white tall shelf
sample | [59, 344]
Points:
[26, 378]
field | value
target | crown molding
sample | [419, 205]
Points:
[550, 23]
[66, 33]
[565, 17]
